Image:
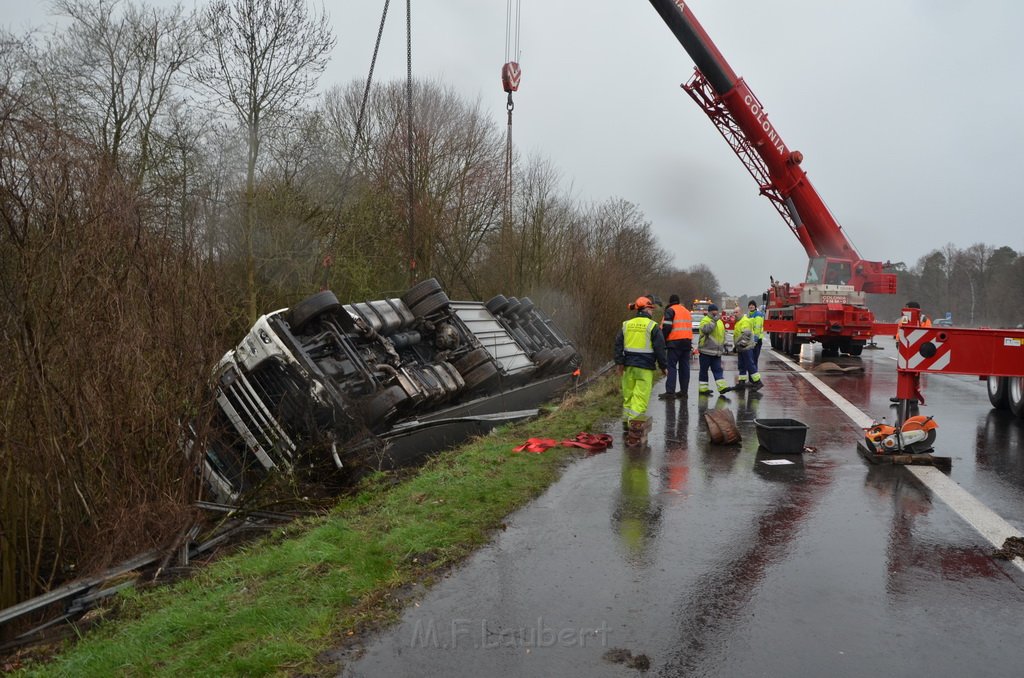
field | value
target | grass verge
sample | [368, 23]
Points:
[279, 606]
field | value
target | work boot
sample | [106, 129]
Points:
[894, 399]
[740, 385]
[725, 390]
[757, 385]
[666, 396]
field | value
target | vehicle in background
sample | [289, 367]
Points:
[698, 309]
[729, 318]
[324, 388]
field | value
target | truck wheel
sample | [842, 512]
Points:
[786, 343]
[310, 308]
[1016, 395]
[482, 376]
[432, 303]
[999, 392]
[855, 350]
[382, 406]
[469, 362]
[420, 291]
[525, 305]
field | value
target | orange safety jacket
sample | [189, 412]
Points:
[681, 324]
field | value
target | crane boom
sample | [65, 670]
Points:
[741, 118]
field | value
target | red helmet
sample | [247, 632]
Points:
[642, 303]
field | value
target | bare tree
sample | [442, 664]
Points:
[264, 60]
[118, 64]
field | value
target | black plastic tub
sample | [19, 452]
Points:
[781, 436]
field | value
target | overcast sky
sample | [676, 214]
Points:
[908, 112]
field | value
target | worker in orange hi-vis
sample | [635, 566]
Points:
[639, 351]
[677, 326]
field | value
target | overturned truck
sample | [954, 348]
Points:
[322, 387]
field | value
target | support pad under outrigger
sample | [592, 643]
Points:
[944, 464]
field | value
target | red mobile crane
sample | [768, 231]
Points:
[829, 306]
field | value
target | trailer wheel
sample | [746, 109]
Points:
[544, 359]
[311, 308]
[999, 393]
[512, 309]
[497, 304]
[1016, 395]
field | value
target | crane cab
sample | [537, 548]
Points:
[826, 271]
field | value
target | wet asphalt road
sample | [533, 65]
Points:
[689, 559]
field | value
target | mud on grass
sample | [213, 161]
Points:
[303, 605]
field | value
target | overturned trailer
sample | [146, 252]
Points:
[322, 387]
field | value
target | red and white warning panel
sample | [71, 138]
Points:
[956, 350]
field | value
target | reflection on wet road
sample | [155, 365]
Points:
[705, 560]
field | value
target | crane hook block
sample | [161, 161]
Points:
[510, 75]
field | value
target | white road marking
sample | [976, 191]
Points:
[987, 522]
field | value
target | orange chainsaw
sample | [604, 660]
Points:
[916, 435]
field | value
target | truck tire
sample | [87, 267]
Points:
[855, 349]
[432, 303]
[999, 392]
[1015, 391]
[420, 291]
[311, 308]
[545, 359]
[512, 309]
[382, 406]
[786, 343]
[483, 375]
[469, 362]
[525, 305]
[497, 304]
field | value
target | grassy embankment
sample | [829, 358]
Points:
[276, 606]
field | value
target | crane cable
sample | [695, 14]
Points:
[510, 76]
[408, 143]
[328, 259]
